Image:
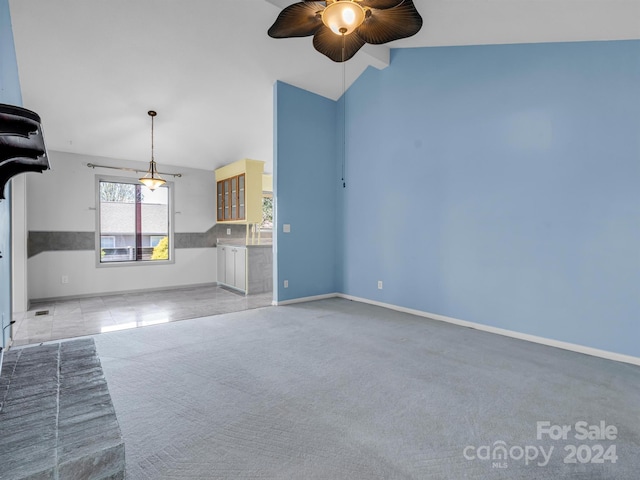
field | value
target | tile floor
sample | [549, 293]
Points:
[100, 314]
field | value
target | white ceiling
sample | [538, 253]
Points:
[92, 69]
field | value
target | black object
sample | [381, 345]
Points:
[385, 21]
[22, 147]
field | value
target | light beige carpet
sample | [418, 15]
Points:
[340, 390]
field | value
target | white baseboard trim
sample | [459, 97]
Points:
[618, 357]
[305, 299]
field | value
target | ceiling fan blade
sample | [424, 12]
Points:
[298, 20]
[384, 26]
[330, 44]
[382, 4]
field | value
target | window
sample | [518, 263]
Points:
[267, 212]
[133, 222]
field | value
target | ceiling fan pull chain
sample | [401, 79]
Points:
[344, 112]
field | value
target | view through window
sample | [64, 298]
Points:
[267, 212]
[134, 222]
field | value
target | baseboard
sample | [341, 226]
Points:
[618, 357]
[305, 299]
[120, 292]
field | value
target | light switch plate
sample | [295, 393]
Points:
[286, 228]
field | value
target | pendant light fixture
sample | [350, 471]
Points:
[152, 179]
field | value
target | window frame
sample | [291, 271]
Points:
[137, 263]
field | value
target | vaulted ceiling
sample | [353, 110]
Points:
[92, 69]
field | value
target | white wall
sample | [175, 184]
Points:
[63, 199]
[19, 244]
[192, 266]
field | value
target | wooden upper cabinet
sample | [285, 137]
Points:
[231, 199]
[239, 192]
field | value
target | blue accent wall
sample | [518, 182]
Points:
[499, 185]
[305, 187]
[10, 94]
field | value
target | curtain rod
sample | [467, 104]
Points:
[93, 165]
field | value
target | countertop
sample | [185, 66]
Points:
[237, 244]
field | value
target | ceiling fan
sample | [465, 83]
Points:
[341, 27]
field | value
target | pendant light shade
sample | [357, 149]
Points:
[152, 179]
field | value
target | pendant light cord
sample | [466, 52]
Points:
[153, 160]
[344, 113]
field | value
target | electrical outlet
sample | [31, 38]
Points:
[228, 231]
[286, 228]
[286, 284]
[64, 279]
[379, 284]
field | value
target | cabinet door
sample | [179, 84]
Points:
[220, 201]
[234, 198]
[241, 264]
[230, 266]
[241, 197]
[222, 262]
[227, 198]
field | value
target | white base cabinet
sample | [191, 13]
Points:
[232, 266]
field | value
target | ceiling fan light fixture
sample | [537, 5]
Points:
[331, 22]
[152, 179]
[343, 16]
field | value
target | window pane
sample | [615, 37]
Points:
[155, 224]
[107, 241]
[267, 213]
[117, 221]
[155, 240]
[117, 192]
